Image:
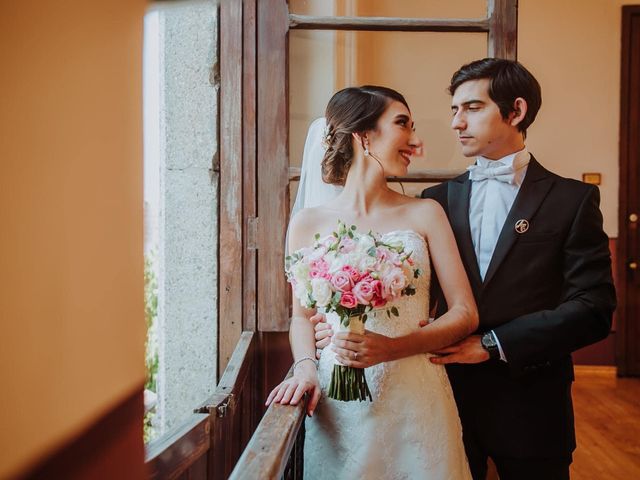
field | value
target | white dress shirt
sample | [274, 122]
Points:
[489, 205]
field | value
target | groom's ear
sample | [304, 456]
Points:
[519, 111]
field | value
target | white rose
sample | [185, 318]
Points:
[366, 262]
[393, 283]
[300, 272]
[330, 258]
[316, 254]
[302, 293]
[365, 242]
[321, 291]
[340, 261]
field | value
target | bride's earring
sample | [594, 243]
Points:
[366, 150]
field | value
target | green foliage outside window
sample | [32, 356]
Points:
[151, 348]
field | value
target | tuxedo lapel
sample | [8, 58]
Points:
[458, 195]
[534, 189]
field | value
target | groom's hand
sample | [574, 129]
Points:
[467, 350]
[323, 332]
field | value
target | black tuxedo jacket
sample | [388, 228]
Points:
[547, 292]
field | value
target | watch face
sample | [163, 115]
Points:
[488, 341]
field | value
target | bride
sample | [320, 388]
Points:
[411, 429]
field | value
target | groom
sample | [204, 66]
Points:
[538, 262]
[539, 265]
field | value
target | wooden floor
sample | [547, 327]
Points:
[607, 411]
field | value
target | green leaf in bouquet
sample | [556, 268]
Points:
[350, 233]
[409, 290]
[388, 313]
[364, 318]
[311, 301]
[353, 227]
[417, 272]
[372, 252]
[395, 312]
[317, 236]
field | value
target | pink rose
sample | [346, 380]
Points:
[342, 282]
[319, 269]
[386, 258]
[348, 300]
[320, 265]
[315, 273]
[377, 302]
[367, 278]
[382, 254]
[377, 288]
[393, 283]
[363, 292]
[353, 273]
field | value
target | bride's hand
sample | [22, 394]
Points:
[362, 351]
[322, 331]
[291, 391]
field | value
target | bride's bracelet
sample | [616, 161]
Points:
[315, 362]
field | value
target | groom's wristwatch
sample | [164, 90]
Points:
[489, 343]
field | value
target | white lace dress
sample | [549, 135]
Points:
[411, 430]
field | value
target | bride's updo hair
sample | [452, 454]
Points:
[351, 110]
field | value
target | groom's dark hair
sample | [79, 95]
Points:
[508, 80]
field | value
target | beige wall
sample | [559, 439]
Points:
[71, 268]
[572, 47]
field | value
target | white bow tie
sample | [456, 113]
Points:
[503, 173]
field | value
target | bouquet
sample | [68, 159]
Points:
[352, 274]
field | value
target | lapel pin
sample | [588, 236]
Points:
[522, 226]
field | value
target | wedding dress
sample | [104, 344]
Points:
[411, 430]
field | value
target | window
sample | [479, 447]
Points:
[180, 207]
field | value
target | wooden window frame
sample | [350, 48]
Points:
[274, 23]
[237, 213]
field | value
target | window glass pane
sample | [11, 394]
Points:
[418, 65]
[180, 209]
[392, 8]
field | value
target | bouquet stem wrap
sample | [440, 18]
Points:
[349, 383]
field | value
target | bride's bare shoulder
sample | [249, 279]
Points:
[425, 215]
[424, 206]
[304, 225]
[307, 217]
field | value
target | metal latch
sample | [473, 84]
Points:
[221, 410]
